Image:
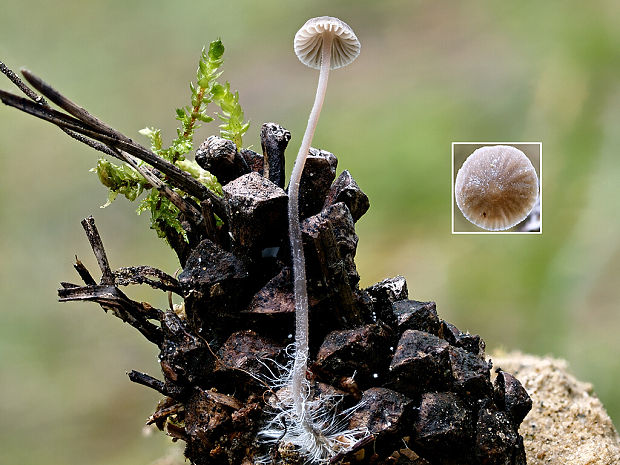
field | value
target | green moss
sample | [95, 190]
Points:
[125, 180]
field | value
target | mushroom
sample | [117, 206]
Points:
[323, 43]
[497, 187]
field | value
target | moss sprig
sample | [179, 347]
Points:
[125, 180]
[121, 179]
[201, 95]
[233, 126]
[164, 214]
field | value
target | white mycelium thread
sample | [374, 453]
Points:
[319, 433]
[497, 187]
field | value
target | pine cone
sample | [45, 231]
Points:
[418, 387]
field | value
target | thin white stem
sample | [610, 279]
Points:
[299, 263]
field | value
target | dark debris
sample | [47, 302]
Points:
[424, 385]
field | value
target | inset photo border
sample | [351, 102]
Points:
[495, 192]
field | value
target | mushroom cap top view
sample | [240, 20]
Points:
[497, 187]
[309, 42]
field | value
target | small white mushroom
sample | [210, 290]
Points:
[497, 187]
[324, 43]
[310, 38]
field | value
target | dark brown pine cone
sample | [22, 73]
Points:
[420, 388]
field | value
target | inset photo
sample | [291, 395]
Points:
[497, 187]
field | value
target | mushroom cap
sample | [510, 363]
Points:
[309, 42]
[497, 187]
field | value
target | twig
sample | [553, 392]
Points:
[177, 176]
[40, 100]
[148, 381]
[79, 112]
[84, 116]
[66, 285]
[139, 275]
[92, 144]
[112, 298]
[20, 84]
[209, 223]
[96, 244]
[84, 273]
[66, 104]
[164, 413]
[183, 205]
[170, 303]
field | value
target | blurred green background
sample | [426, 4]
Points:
[430, 73]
